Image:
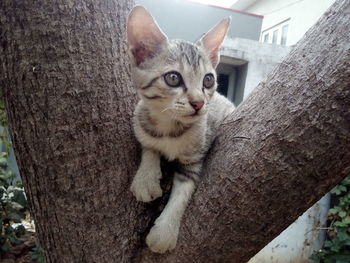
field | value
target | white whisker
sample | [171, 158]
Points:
[168, 108]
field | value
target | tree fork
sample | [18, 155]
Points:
[65, 78]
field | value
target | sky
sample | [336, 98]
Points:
[223, 3]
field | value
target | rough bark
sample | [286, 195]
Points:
[65, 77]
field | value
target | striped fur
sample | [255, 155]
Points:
[167, 124]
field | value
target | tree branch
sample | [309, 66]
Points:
[70, 120]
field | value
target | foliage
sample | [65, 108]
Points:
[13, 204]
[37, 255]
[337, 248]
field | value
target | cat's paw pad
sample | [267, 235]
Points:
[146, 188]
[162, 237]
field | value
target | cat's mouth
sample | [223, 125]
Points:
[195, 114]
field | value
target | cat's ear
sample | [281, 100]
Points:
[145, 38]
[212, 40]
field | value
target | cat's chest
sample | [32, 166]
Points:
[174, 147]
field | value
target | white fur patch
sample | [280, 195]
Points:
[145, 185]
[164, 233]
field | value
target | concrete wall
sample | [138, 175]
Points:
[11, 160]
[302, 14]
[187, 20]
[260, 59]
[300, 239]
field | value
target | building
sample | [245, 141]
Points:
[243, 64]
[285, 21]
[181, 19]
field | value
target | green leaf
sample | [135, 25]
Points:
[37, 255]
[339, 189]
[14, 241]
[333, 211]
[343, 236]
[346, 181]
[335, 248]
[9, 230]
[15, 217]
[3, 161]
[19, 198]
[335, 191]
[315, 258]
[4, 247]
[19, 184]
[342, 214]
[346, 220]
[328, 243]
[342, 188]
[6, 176]
[20, 230]
[340, 224]
[342, 258]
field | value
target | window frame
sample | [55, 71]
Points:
[277, 30]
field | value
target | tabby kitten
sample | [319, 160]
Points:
[177, 115]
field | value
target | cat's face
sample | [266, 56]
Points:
[175, 79]
[178, 82]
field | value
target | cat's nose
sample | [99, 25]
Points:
[197, 105]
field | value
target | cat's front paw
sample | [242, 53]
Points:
[163, 236]
[145, 185]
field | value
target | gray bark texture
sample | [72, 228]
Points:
[65, 76]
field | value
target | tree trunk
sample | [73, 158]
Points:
[65, 78]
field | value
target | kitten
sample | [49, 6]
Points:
[177, 115]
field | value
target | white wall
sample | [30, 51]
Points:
[261, 59]
[300, 239]
[303, 14]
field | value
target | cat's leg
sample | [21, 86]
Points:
[164, 233]
[146, 186]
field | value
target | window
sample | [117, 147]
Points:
[223, 83]
[279, 33]
[275, 37]
[284, 35]
[266, 38]
[232, 74]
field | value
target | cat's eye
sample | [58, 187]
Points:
[208, 81]
[173, 79]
